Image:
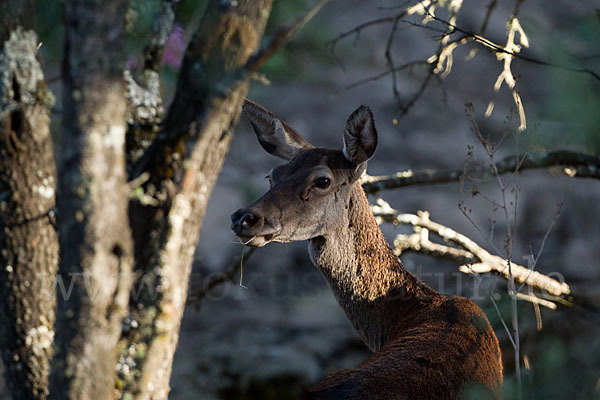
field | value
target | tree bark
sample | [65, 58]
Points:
[146, 109]
[28, 240]
[183, 164]
[95, 239]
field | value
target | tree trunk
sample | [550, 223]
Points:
[28, 240]
[95, 239]
[183, 165]
[95, 230]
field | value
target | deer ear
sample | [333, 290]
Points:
[360, 136]
[275, 136]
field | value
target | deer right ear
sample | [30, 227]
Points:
[360, 136]
[275, 136]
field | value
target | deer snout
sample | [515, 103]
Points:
[246, 222]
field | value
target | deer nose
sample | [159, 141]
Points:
[243, 220]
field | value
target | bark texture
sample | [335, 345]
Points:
[183, 165]
[28, 240]
[146, 109]
[95, 238]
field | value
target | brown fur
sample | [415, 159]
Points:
[427, 345]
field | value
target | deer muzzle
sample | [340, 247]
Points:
[251, 228]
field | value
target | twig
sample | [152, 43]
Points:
[357, 29]
[381, 75]
[229, 272]
[537, 301]
[404, 108]
[282, 36]
[390, 60]
[539, 253]
[488, 14]
[574, 165]
[502, 320]
[392, 68]
[491, 147]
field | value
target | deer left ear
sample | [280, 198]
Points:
[360, 137]
[275, 136]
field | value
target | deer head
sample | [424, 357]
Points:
[308, 195]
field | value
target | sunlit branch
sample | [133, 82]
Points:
[500, 49]
[471, 257]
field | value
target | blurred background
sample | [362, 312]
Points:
[284, 330]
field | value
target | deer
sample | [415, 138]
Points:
[426, 345]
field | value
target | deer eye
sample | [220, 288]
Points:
[268, 177]
[322, 183]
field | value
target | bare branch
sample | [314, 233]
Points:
[281, 37]
[481, 260]
[420, 242]
[416, 96]
[537, 302]
[488, 14]
[357, 29]
[574, 165]
[444, 46]
[381, 75]
[390, 60]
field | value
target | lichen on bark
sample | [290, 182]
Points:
[28, 240]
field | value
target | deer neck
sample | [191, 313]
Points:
[370, 283]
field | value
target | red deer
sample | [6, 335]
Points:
[426, 345]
